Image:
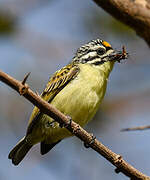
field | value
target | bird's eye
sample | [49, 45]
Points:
[101, 51]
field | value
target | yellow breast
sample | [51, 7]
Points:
[81, 97]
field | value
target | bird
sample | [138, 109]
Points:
[77, 90]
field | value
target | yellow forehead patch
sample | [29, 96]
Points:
[106, 44]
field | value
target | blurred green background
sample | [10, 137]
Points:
[42, 36]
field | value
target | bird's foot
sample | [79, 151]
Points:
[66, 125]
[69, 122]
[87, 145]
[50, 124]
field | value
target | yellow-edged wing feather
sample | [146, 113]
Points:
[56, 83]
[59, 80]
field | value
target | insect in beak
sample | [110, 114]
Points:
[118, 55]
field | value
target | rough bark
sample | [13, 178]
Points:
[134, 13]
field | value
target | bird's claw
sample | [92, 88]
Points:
[87, 145]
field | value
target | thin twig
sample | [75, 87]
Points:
[137, 128]
[25, 78]
[117, 160]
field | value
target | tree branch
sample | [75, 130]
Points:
[134, 13]
[120, 164]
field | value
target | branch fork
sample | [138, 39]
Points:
[24, 88]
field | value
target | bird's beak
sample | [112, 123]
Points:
[118, 55]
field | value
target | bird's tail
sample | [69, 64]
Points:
[19, 151]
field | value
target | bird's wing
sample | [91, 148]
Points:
[59, 80]
[56, 83]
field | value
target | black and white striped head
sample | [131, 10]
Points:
[97, 52]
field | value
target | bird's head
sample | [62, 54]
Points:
[99, 53]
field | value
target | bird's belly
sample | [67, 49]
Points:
[78, 103]
[79, 100]
[82, 107]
